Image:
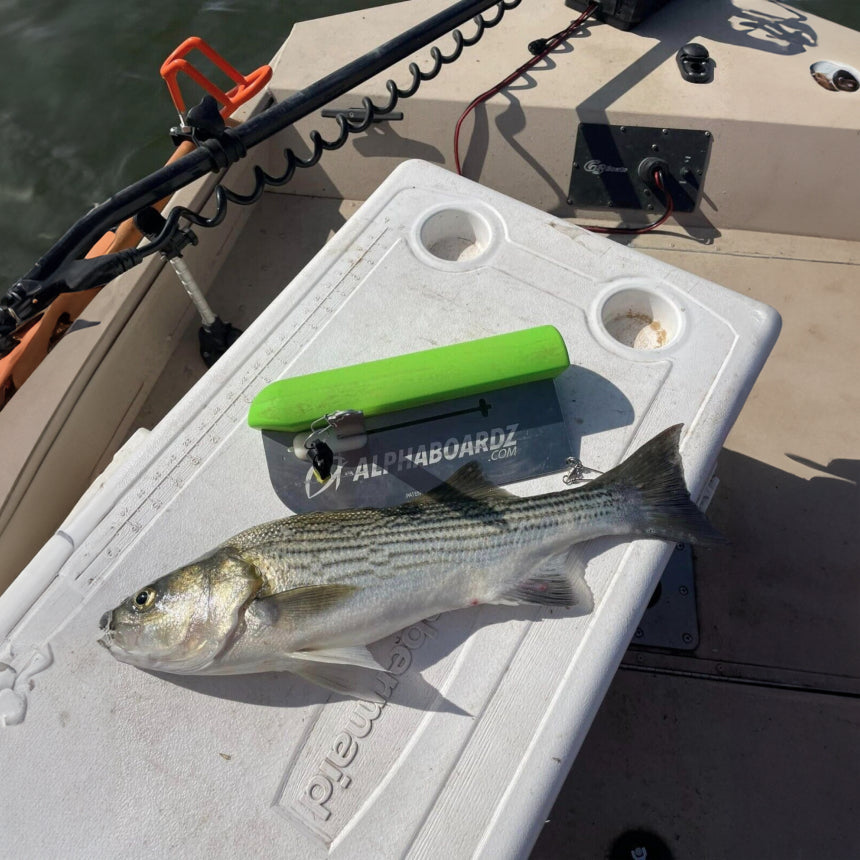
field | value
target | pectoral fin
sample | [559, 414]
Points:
[308, 599]
[557, 580]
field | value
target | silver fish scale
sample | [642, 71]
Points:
[377, 544]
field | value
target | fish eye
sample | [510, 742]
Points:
[143, 599]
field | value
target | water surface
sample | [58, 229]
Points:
[83, 111]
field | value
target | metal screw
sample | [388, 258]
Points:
[655, 148]
[608, 202]
[687, 638]
[707, 134]
[623, 128]
[647, 193]
[683, 590]
[650, 205]
[639, 632]
[576, 165]
[699, 172]
[665, 130]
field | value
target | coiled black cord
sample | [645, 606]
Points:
[319, 144]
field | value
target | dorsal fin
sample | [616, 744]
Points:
[468, 482]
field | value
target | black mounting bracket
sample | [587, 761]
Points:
[360, 114]
[216, 339]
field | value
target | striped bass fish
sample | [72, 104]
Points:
[307, 593]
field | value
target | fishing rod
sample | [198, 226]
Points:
[63, 268]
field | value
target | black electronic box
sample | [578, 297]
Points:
[624, 14]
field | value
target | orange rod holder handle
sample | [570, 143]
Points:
[246, 85]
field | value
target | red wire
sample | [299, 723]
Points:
[670, 208]
[552, 44]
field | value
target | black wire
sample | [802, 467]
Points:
[660, 183]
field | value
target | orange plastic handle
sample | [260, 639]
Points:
[246, 85]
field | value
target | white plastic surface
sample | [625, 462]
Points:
[488, 706]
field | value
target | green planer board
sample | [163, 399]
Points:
[404, 381]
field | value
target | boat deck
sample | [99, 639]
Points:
[744, 743]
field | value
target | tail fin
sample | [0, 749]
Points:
[651, 481]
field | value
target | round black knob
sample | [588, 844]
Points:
[694, 51]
